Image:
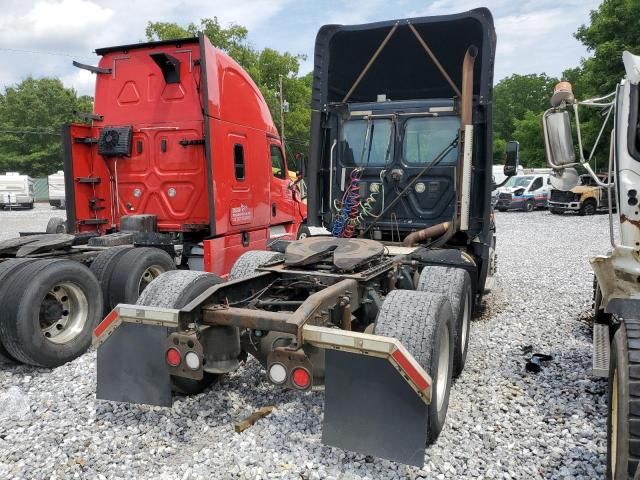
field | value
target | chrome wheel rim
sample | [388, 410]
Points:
[148, 276]
[443, 366]
[64, 312]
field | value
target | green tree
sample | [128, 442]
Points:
[528, 131]
[514, 96]
[228, 39]
[266, 67]
[613, 28]
[499, 149]
[31, 115]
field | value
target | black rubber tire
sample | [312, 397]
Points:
[248, 262]
[502, 209]
[7, 269]
[20, 320]
[624, 365]
[416, 319]
[174, 289]
[555, 211]
[56, 225]
[102, 267]
[529, 206]
[588, 207]
[303, 232]
[124, 284]
[455, 284]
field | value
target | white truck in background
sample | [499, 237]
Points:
[56, 190]
[616, 293]
[16, 191]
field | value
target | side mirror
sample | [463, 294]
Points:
[560, 149]
[512, 159]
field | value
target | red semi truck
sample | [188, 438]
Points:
[181, 167]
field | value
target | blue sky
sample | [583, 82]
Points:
[533, 35]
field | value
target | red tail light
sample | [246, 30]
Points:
[301, 378]
[173, 357]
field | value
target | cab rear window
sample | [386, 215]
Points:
[426, 137]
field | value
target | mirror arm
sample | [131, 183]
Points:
[575, 112]
[502, 184]
[583, 161]
[595, 178]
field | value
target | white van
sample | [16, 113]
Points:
[498, 173]
[498, 177]
[56, 189]
[524, 192]
[16, 190]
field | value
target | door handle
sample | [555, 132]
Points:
[273, 209]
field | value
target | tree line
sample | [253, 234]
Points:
[32, 112]
[520, 100]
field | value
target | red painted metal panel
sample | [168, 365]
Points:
[93, 201]
[221, 253]
[167, 173]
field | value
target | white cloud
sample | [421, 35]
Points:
[82, 80]
[54, 25]
[77, 27]
[533, 35]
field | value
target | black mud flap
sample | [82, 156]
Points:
[132, 368]
[371, 409]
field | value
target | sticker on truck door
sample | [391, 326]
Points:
[241, 214]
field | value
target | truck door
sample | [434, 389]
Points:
[238, 189]
[281, 194]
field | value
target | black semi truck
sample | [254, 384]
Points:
[377, 312]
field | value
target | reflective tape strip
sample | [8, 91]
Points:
[106, 323]
[406, 365]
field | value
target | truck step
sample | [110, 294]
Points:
[601, 349]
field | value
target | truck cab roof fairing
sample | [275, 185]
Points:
[402, 71]
[339, 59]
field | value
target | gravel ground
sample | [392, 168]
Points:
[502, 422]
[21, 220]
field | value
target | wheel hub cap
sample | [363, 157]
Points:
[63, 313]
